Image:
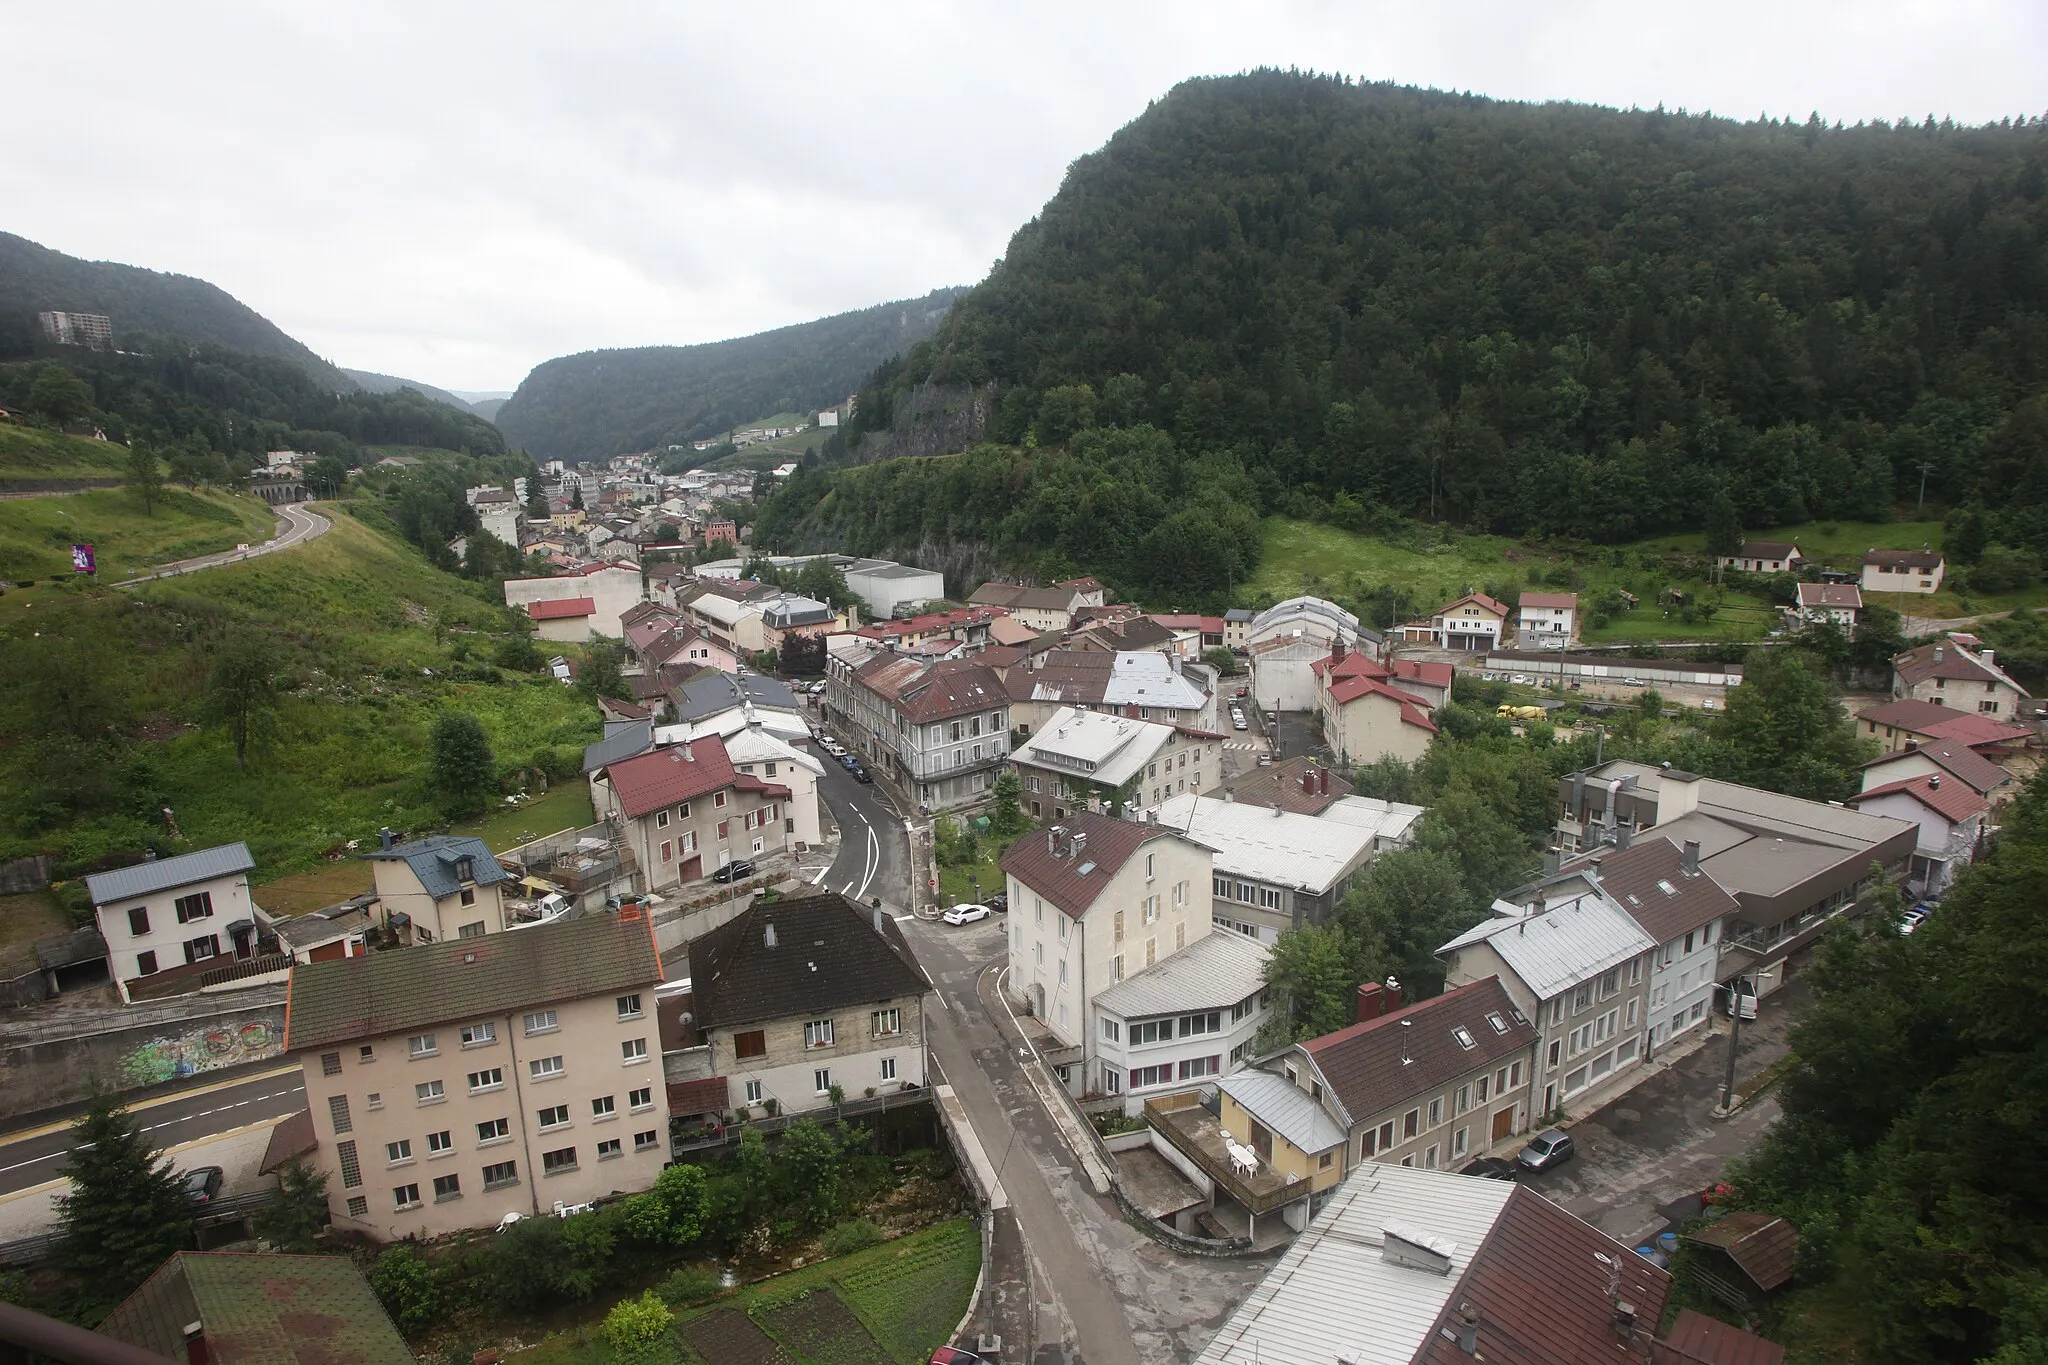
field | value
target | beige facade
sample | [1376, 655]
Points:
[1588, 1032]
[690, 840]
[1371, 727]
[1321, 1169]
[868, 1049]
[456, 1125]
[1448, 1127]
[469, 911]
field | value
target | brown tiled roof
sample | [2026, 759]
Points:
[1830, 595]
[1140, 632]
[924, 692]
[464, 978]
[1903, 561]
[1073, 883]
[1912, 715]
[260, 1309]
[1539, 1284]
[697, 1097]
[1953, 801]
[292, 1136]
[1696, 1339]
[1548, 599]
[1635, 877]
[1384, 1061]
[1957, 759]
[681, 772]
[827, 955]
[1946, 659]
[1761, 1246]
[1492, 604]
[1281, 785]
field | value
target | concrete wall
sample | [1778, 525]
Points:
[57, 1071]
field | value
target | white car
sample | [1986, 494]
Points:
[1520, 680]
[966, 914]
[831, 746]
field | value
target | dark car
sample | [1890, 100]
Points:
[202, 1183]
[1492, 1168]
[862, 775]
[737, 870]
[1548, 1149]
[999, 902]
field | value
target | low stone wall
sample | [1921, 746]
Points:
[18, 876]
[57, 1071]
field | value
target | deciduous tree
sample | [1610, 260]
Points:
[464, 769]
[242, 692]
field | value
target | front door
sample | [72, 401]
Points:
[1504, 1123]
[1262, 1142]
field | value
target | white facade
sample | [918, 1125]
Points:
[1682, 975]
[615, 589]
[500, 519]
[1188, 1020]
[1904, 576]
[754, 750]
[884, 587]
[153, 930]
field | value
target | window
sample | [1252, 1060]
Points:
[421, 1045]
[366, 1054]
[337, 1113]
[1632, 1012]
[1515, 1074]
[145, 964]
[646, 1141]
[1458, 1141]
[1555, 1044]
[447, 1187]
[610, 1148]
[502, 1174]
[753, 1092]
[438, 1143]
[661, 822]
[1200, 1066]
[1436, 1112]
[557, 1161]
[1429, 1157]
[138, 921]
[629, 1006]
[1411, 1123]
[643, 1098]
[541, 1021]
[603, 1107]
[821, 1080]
[1112, 1030]
[1116, 968]
[199, 906]
[888, 1068]
[554, 1116]
[373, 1100]
[818, 1033]
[633, 1050]
[351, 1170]
[1153, 1031]
[885, 1023]
[1150, 858]
[467, 897]
[405, 1197]
[358, 1207]
[488, 1079]
[753, 1043]
[683, 811]
[1063, 971]
[428, 1092]
[1464, 1099]
[1323, 1161]
[1193, 1025]
[493, 1130]
[477, 1035]
[1635, 971]
[1142, 1076]
[330, 1063]
[1464, 1037]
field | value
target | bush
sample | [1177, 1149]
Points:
[634, 1324]
[408, 1286]
[851, 1236]
[688, 1288]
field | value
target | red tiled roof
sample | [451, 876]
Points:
[1761, 1246]
[1424, 671]
[1208, 625]
[1696, 1339]
[1349, 666]
[665, 777]
[1059, 877]
[1280, 785]
[1549, 599]
[1917, 716]
[932, 692]
[1384, 1061]
[1956, 759]
[1978, 731]
[1493, 605]
[1414, 710]
[1953, 801]
[697, 1097]
[562, 607]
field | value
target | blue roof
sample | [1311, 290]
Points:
[433, 861]
[711, 692]
[632, 737]
[166, 874]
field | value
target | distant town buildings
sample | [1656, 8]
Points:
[95, 331]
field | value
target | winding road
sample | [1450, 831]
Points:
[301, 525]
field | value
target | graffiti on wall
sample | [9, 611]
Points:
[206, 1048]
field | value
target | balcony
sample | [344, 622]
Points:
[1193, 1132]
[579, 861]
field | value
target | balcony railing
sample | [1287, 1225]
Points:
[1193, 1132]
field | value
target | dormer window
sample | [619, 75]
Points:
[465, 869]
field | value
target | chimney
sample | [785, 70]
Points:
[1308, 781]
[1322, 781]
[196, 1351]
[1393, 987]
[1372, 1001]
[1624, 1318]
[1052, 840]
[1553, 858]
[1989, 656]
[1079, 842]
[1337, 651]
[384, 839]
[1937, 654]
[878, 918]
[1692, 857]
[768, 935]
[1624, 836]
[1468, 1329]
[149, 855]
[1934, 782]
[1406, 1024]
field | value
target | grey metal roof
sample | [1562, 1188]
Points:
[709, 693]
[1219, 968]
[167, 874]
[1561, 947]
[1281, 1105]
[433, 861]
[797, 611]
[629, 738]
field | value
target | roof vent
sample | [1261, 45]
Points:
[768, 935]
[1410, 1246]
[1468, 1329]
[1934, 782]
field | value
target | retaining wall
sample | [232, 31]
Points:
[57, 1071]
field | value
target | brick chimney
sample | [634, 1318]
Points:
[1372, 1001]
[1337, 651]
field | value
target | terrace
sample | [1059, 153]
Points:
[1194, 1132]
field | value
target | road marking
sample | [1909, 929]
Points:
[23, 1135]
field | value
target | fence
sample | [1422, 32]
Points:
[729, 1134]
[26, 1252]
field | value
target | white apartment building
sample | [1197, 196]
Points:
[171, 914]
[1185, 1020]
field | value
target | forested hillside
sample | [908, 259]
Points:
[369, 381]
[1530, 318]
[602, 403]
[34, 278]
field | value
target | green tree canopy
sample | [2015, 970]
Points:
[241, 694]
[464, 769]
[125, 1213]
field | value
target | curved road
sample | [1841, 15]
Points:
[301, 525]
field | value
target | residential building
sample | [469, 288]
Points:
[726, 703]
[1237, 628]
[1900, 725]
[1423, 678]
[1134, 634]
[1275, 870]
[757, 751]
[1081, 759]
[185, 915]
[1763, 556]
[232, 1308]
[94, 331]
[1835, 604]
[1191, 1016]
[1914, 571]
[1365, 716]
[684, 811]
[497, 512]
[1299, 784]
[1136, 684]
[337, 931]
[565, 620]
[1546, 620]
[1949, 815]
[1093, 901]
[887, 588]
[1949, 760]
[941, 731]
[1193, 635]
[798, 998]
[1957, 672]
[1042, 609]
[443, 886]
[1473, 623]
[792, 617]
[610, 589]
[967, 626]
[730, 613]
[453, 1084]
[1414, 1267]
[1792, 865]
[1286, 638]
[1579, 970]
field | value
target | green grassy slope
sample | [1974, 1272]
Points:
[36, 534]
[29, 455]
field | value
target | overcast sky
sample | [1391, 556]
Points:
[456, 193]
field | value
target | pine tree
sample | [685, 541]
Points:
[1724, 526]
[126, 1213]
[464, 768]
[292, 1221]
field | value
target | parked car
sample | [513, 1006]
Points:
[202, 1183]
[862, 775]
[1492, 1168]
[1631, 682]
[1000, 902]
[1913, 919]
[966, 914]
[848, 761]
[831, 746]
[1237, 722]
[953, 1355]
[1547, 1149]
[738, 870]
[1739, 994]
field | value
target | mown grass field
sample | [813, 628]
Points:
[36, 534]
[891, 1303]
[31, 453]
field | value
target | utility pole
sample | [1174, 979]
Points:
[1921, 505]
[1735, 999]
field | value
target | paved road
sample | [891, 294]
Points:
[874, 857]
[301, 525]
[204, 1109]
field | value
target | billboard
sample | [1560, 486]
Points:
[82, 560]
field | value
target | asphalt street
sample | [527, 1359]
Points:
[202, 1110]
[874, 854]
[300, 526]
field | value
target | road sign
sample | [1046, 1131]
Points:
[82, 559]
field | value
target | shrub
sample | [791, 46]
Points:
[850, 1236]
[408, 1286]
[687, 1288]
[634, 1324]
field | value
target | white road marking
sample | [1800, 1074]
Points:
[153, 1127]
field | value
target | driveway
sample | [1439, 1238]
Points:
[300, 526]
[1658, 1143]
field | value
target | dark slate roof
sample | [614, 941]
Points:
[827, 955]
[1696, 1339]
[1903, 561]
[712, 691]
[292, 1136]
[1073, 883]
[465, 978]
[1541, 1294]
[1635, 878]
[433, 860]
[260, 1309]
[1363, 1063]
[1762, 1246]
[635, 737]
[1281, 785]
[168, 874]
